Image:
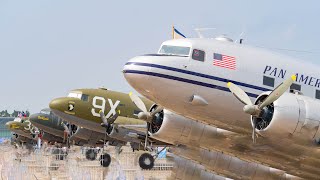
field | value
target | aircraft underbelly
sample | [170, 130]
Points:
[223, 110]
[22, 133]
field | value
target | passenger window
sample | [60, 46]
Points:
[317, 94]
[268, 81]
[85, 97]
[295, 87]
[198, 55]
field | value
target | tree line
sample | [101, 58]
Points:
[4, 113]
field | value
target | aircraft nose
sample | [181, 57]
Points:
[64, 104]
[34, 118]
[139, 64]
[59, 104]
[137, 71]
[8, 125]
[11, 125]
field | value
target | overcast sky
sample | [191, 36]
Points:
[50, 47]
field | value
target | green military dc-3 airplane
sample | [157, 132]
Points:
[24, 131]
[113, 113]
[52, 124]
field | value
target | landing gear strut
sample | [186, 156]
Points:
[105, 159]
[146, 161]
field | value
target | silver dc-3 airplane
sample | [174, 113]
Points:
[239, 88]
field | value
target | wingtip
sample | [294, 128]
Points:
[229, 84]
[294, 77]
[130, 93]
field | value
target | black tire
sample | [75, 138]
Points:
[105, 160]
[91, 155]
[146, 161]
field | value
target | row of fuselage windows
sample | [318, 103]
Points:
[268, 81]
[199, 55]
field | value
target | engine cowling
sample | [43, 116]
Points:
[292, 115]
[176, 129]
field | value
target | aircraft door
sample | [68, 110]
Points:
[197, 64]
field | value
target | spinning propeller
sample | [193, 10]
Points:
[144, 114]
[108, 122]
[257, 110]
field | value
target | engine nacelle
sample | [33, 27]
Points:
[292, 115]
[176, 129]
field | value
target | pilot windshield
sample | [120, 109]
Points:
[75, 95]
[45, 111]
[174, 50]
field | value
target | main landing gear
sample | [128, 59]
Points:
[105, 160]
[146, 161]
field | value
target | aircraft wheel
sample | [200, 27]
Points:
[105, 160]
[146, 161]
[91, 155]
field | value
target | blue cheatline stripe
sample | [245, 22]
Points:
[199, 75]
[183, 80]
[175, 30]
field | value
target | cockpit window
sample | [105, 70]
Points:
[198, 55]
[45, 111]
[85, 97]
[75, 95]
[18, 120]
[174, 50]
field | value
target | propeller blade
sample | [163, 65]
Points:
[158, 109]
[239, 93]
[115, 126]
[278, 91]
[103, 118]
[113, 118]
[146, 139]
[66, 129]
[254, 131]
[138, 102]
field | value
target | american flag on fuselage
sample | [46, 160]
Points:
[224, 61]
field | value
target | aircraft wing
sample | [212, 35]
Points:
[291, 158]
[204, 163]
